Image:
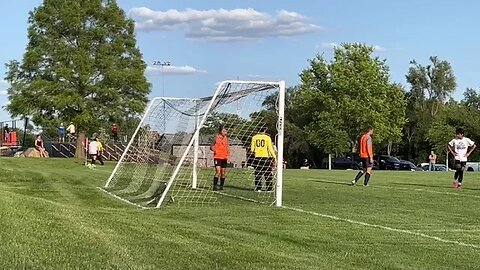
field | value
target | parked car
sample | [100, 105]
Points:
[388, 163]
[406, 165]
[343, 163]
[472, 167]
[437, 167]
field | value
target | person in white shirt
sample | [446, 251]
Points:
[93, 150]
[432, 158]
[459, 148]
[71, 131]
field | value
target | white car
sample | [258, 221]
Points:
[437, 167]
[472, 167]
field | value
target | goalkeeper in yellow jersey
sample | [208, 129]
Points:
[265, 157]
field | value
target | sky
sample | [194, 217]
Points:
[207, 41]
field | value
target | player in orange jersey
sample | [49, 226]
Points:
[366, 154]
[221, 152]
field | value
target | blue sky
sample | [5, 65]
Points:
[212, 40]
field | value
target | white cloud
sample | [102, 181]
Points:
[172, 70]
[224, 25]
[328, 45]
[333, 45]
[3, 88]
[379, 48]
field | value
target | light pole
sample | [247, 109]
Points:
[162, 64]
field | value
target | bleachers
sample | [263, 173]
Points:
[112, 151]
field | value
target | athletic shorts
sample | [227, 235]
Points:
[367, 163]
[222, 163]
[263, 164]
[460, 164]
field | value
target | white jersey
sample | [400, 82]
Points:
[93, 148]
[71, 128]
[460, 146]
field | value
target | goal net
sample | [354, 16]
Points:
[169, 158]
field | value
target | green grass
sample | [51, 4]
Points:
[52, 216]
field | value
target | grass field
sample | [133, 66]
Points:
[54, 217]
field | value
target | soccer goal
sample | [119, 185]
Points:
[168, 159]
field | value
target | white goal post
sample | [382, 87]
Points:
[168, 158]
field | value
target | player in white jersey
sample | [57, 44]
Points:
[459, 148]
[93, 150]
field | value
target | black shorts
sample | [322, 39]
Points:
[367, 163]
[460, 164]
[222, 163]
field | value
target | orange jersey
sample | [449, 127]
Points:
[220, 147]
[366, 148]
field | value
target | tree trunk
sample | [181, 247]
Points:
[80, 151]
[329, 162]
[389, 148]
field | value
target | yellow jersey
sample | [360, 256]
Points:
[262, 146]
[100, 146]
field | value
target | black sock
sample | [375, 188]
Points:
[93, 161]
[359, 175]
[258, 184]
[457, 173]
[367, 178]
[222, 181]
[460, 177]
[215, 181]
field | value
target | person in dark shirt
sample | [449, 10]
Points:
[39, 146]
[115, 132]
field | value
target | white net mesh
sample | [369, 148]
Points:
[165, 162]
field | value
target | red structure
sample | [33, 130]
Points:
[9, 133]
[10, 139]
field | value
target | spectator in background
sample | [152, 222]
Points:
[71, 132]
[432, 158]
[39, 146]
[93, 150]
[6, 133]
[115, 132]
[61, 133]
[100, 151]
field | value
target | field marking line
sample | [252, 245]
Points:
[123, 200]
[384, 227]
[415, 233]
[404, 188]
[448, 230]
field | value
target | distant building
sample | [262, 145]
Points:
[238, 151]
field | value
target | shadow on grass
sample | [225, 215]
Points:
[238, 188]
[334, 182]
[430, 186]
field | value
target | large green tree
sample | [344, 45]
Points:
[431, 86]
[81, 64]
[339, 99]
[464, 114]
[296, 144]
